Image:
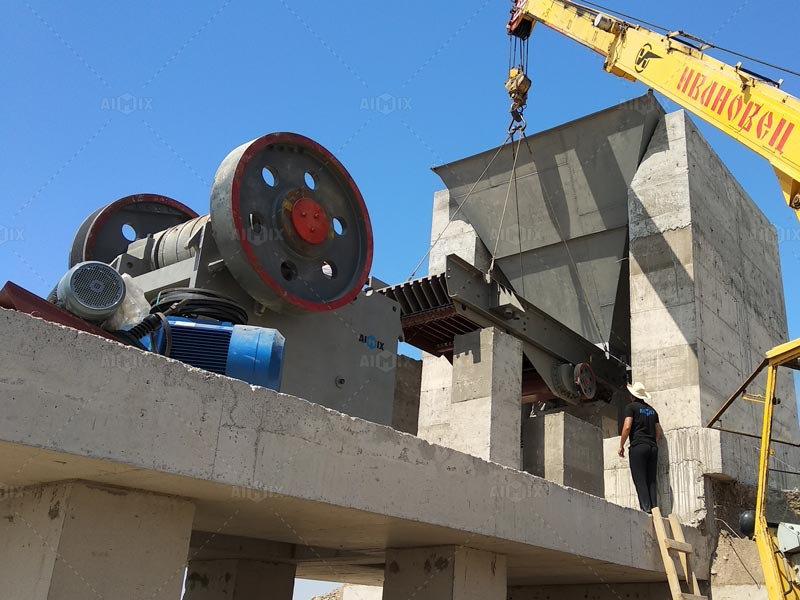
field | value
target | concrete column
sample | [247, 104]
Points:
[405, 415]
[444, 573]
[362, 592]
[77, 540]
[566, 450]
[239, 579]
[486, 392]
[434, 399]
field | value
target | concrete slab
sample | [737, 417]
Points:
[608, 591]
[264, 465]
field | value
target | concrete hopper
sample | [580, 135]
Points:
[562, 243]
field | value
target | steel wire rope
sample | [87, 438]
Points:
[458, 210]
[515, 154]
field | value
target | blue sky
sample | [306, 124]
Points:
[208, 76]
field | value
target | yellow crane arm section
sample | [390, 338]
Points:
[748, 108]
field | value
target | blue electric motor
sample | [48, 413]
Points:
[252, 354]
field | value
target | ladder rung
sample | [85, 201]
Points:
[678, 546]
[693, 597]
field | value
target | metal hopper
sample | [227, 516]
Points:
[563, 244]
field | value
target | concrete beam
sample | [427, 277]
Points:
[265, 465]
[606, 591]
[207, 545]
[72, 541]
[445, 573]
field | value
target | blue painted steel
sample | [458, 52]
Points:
[252, 354]
[256, 356]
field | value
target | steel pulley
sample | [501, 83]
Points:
[291, 224]
[108, 231]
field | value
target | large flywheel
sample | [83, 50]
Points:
[291, 224]
[109, 230]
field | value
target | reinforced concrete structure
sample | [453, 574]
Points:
[633, 232]
[238, 481]
[122, 469]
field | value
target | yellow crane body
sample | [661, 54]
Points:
[748, 108]
[779, 574]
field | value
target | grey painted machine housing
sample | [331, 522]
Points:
[343, 359]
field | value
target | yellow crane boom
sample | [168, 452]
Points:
[749, 108]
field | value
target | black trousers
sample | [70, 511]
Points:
[644, 464]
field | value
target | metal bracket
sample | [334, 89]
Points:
[489, 305]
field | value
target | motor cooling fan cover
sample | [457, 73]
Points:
[91, 290]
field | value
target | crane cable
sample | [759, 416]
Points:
[708, 44]
[458, 210]
[517, 86]
[512, 181]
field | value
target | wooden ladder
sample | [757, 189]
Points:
[676, 543]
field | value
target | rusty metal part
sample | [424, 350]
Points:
[585, 380]
[14, 297]
[437, 308]
[430, 321]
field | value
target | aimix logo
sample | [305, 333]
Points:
[371, 342]
[644, 57]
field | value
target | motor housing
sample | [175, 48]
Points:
[90, 290]
[252, 354]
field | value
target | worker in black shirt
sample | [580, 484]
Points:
[641, 426]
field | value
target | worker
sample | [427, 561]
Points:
[642, 427]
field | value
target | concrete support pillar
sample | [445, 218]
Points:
[408, 381]
[77, 540]
[706, 287]
[474, 405]
[434, 399]
[239, 579]
[444, 573]
[566, 450]
[486, 393]
[361, 592]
